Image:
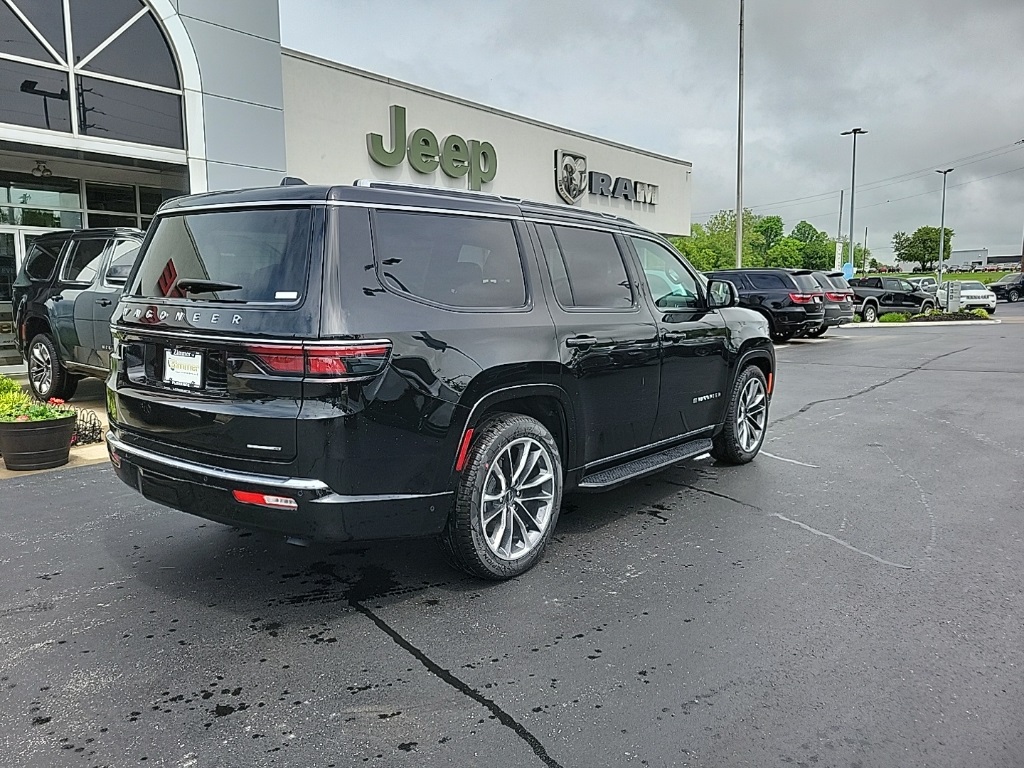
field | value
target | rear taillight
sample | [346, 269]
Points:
[831, 296]
[342, 361]
[803, 298]
[265, 500]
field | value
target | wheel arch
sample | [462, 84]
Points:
[546, 402]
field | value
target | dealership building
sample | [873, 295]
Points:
[108, 107]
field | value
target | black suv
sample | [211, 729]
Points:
[63, 299]
[1009, 287]
[838, 301]
[790, 299]
[375, 361]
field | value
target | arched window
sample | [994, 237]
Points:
[112, 55]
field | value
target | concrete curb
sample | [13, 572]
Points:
[921, 325]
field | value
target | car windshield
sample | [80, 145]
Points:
[971, 285]
[1008, 279]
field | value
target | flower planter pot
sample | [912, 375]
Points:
[29, 445]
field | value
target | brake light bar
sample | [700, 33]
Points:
[351, 360]
[840, 296]
[265, 500]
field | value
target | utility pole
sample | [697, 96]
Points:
[839, 235]
[853, 181]
[942, 224]
[864, 254]
[739, 156]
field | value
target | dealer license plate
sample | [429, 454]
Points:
[183, 369]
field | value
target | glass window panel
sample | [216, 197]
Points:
[556, 266]
[110, 197]
[672, 286]
[84, 261]
[47, 16]
[41, 259]
[140, 53]
[263, 252]
[46, 192]
[459, 261]
[129, 113]
[150, 199]
[41, 217]
[146, 221]
[93, 21]
[111, 220]
[34, 96]
[15, 37]
[596, 271]
[768, 281]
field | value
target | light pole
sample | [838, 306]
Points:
[942, 223]
[853, 179]
[739, 155]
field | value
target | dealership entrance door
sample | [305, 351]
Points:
[14, 244]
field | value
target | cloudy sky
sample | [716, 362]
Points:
[937, 83]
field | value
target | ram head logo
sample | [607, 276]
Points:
[570, 175]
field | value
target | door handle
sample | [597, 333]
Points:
[673, 335]
[580, 341]
[104, 302]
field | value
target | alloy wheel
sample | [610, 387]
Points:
[751, 414]
[40, 370]
[518, 499]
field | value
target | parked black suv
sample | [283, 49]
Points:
[375, 361]
[1009, 287]
[790, 299]
[838, 298]
[63, 299]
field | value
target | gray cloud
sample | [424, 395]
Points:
[933, 81]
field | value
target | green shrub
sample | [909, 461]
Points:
[13, 403]
[7, 384]
[893, 317]
[980, 313]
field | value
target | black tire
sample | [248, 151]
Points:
[729, 445]
[47, 376]
[466, 539]
[1013, 295]
[818, 332]
[927, 307]
[990, 310]
[869, 313]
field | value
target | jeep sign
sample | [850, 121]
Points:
[455, 156]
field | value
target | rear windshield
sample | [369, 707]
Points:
[839, 282]
[806, 283]
[236, 256]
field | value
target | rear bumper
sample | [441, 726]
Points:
[838, 315]
[320, 513]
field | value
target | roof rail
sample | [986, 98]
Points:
[400, 186]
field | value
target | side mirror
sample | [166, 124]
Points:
[722, 293]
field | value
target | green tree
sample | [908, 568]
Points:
[713, 245]
[787, 252]
[817, 248]
[922, 247]
[771, 230]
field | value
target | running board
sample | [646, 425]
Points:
[623, 473]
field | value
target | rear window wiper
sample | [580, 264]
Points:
[197, 285]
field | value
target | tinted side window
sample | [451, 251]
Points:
[41, 260]
[891, 284]
[84, 261]
[597, 274]
[122, 259]
[460, 261]
[767, 281]
[806, 283]
[556, 265]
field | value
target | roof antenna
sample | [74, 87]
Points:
[290, 181]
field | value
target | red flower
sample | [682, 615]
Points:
[23, 417]
[55, 401]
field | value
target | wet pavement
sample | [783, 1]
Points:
[852, 598]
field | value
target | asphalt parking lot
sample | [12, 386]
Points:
[855, 597]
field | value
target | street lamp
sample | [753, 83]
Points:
[739, 155]
[942, 223]
[853, 179]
